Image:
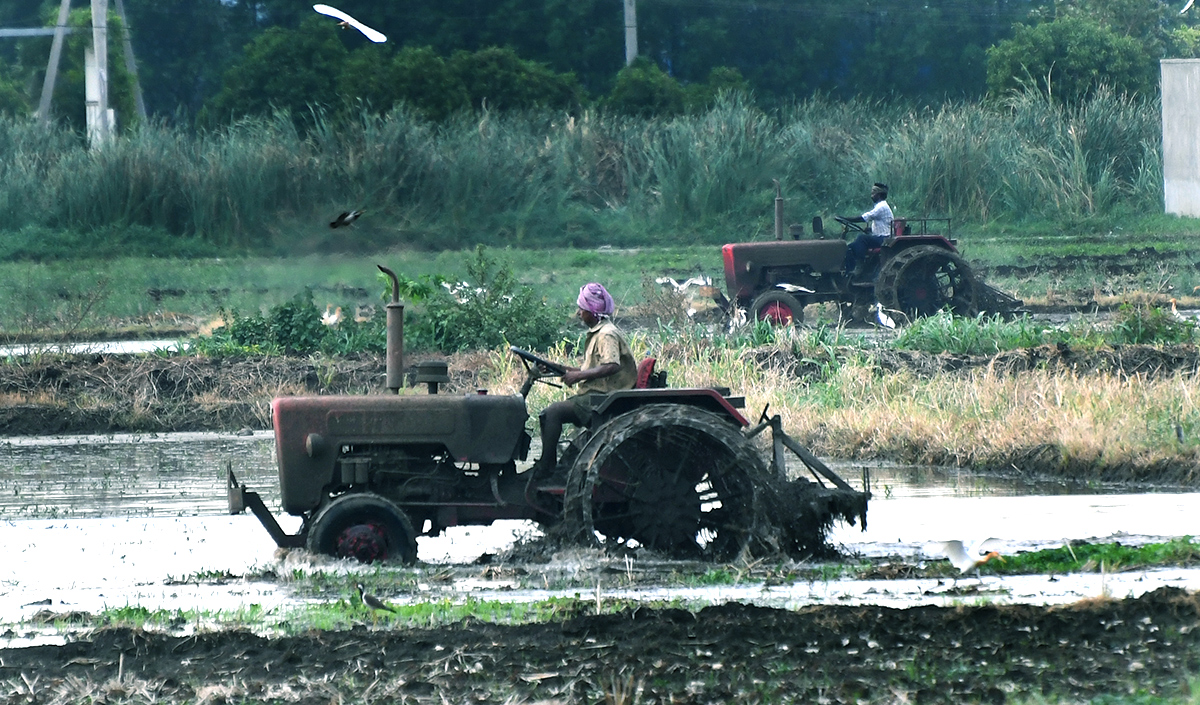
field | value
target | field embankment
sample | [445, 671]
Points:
[725, 653]
[1123, 413]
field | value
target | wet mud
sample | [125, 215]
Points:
[727, 653]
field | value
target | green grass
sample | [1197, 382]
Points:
[347, 612]
[1088, 558]
[547, 180]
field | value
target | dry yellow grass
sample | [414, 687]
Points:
[1096, 425]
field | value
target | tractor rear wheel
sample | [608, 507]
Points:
[778, 307]
[923, 280]
[672, 478]
[364, 526]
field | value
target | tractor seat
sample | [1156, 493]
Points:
[646, 377]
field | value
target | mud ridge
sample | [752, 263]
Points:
[726, 653]
[1145, 361]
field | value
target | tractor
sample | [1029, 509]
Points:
[916, 272]
[673, 470]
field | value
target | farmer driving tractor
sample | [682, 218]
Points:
[608, 365]
[880, 218]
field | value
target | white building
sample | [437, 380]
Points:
[1181, 135]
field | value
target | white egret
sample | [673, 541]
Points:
[331, 317]
[348, 21]
[969, 557]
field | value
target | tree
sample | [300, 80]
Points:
[183, 47]
[722, 79]
[643, 89]
[504, 80]
[13, 101]
[1069, 58]
[285, 69]
[69, 91]
[417, 76]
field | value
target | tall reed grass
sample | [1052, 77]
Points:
[546, 178]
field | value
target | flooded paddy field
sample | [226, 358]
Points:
[109, 523]
[99, 522]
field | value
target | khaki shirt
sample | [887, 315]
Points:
[606, 344]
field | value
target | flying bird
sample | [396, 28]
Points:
[371, 601]
[345, 218]
[348, 21]
[968, 558]
[1187, 7]
[677, 286]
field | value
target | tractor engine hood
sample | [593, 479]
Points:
[310, 432]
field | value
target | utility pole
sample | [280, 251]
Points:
[630, 31]
[131, 62]
[99, 118]
[60, 30]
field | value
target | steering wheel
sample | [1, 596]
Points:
[536, 368]
[848, 225]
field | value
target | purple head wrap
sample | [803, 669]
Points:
[593, 297]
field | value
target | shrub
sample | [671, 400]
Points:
[643, 89]
[492, 309]
[1147, 324]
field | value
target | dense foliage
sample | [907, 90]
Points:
[491, 310]
[549, 179]
[231, 55]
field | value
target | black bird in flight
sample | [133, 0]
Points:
[346, 218]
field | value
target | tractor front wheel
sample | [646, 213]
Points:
[363, 526]
[778, 307]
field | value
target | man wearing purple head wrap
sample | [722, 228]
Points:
[595, 299]
[608, 365]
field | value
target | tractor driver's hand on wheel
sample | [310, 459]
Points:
[573, 376]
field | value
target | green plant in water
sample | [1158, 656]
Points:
[1146, 324]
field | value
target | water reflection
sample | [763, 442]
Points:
[889, 481]
[178, 474]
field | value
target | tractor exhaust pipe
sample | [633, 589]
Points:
[778, 210]
[395, 334]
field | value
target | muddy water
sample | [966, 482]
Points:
[95, 522]
[115, 347]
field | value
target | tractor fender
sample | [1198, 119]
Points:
[620, 402]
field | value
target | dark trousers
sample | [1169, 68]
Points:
[857, 250]
[552, 419]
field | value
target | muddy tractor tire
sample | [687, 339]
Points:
[778, 307]
[921, 281]
[673, 478]
[363, 526]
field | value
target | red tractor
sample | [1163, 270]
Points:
[914, 273]
[669, 469]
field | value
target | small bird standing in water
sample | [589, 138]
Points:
[371, 601]
[346, 218]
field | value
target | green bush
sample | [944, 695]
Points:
[294, 328]
[642, 89]
[1070, 58]
[1146, 324]
[491, 310]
